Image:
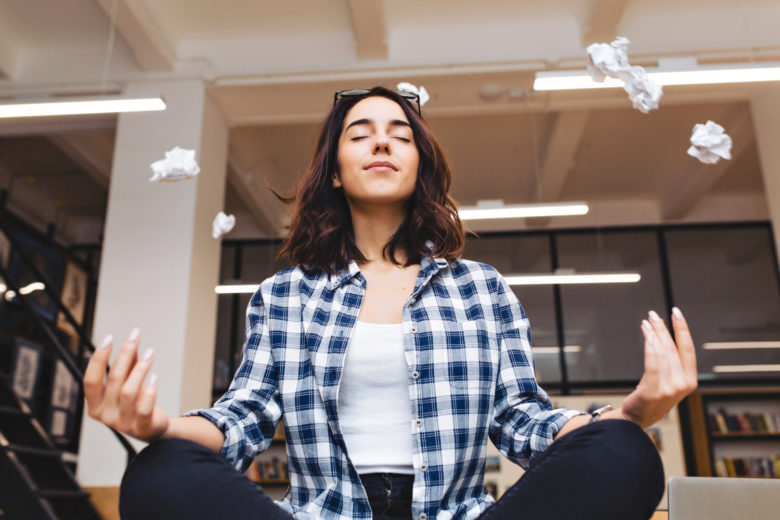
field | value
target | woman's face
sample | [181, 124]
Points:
[377, 156]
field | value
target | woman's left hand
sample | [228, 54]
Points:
[670, 370]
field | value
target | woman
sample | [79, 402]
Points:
[392, 361]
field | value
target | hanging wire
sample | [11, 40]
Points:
[535, 145]
[109, 46]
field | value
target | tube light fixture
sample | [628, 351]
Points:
[81, 106]
[739, 345]
[569, 349]
[523, 210]
[571, 278]
[745, 368]
[703, 75]
[236, 289]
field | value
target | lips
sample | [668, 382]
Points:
[381, 164]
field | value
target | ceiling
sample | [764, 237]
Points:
[271, 67]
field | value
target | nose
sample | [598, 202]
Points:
[381, 143]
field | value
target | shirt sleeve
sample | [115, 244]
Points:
[524, 421]
[249, 412]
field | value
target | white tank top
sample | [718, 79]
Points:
[374, 407]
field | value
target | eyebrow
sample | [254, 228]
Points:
[366, 121]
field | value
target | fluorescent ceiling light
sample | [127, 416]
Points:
[81, 106]
[738, 345]
[523, 210]
[745, 368]
[569, 349]
[571, 278]
[236, 289]
[704, 75]
[516, 279]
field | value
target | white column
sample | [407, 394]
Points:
[159, 262]
[766, 120]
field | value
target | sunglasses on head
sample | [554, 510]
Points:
[411, 97]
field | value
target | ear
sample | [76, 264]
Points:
[336, 181]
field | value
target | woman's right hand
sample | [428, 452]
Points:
[119, 400]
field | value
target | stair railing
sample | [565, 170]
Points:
[61, 352]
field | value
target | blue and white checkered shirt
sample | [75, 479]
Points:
[467, 344]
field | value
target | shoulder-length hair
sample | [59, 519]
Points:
[320, 233]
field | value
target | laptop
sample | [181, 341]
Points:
[719, 498]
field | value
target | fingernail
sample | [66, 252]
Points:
[677, 313]
[106, 343]
[148, 354]
[134, 334]
[152, 380]
[654, 317]
[646, 325]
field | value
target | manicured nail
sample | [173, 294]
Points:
[654, 317]
[677, 313]
[152, 380]
[148, 354]
[106, 343]
[646, 325]
[134, 334]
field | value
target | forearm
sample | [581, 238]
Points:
[581, 420]
[196, 429]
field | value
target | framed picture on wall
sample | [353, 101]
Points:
[26, 369]
[74, 296]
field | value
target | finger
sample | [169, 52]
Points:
[684, 343]
[652, 357]
[144, 407]
[129, 392]
[122, 364]
[95, 372]
[667, 342]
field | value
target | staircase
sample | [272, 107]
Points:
[36, 481]
[37, 468]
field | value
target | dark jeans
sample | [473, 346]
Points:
[606, 470]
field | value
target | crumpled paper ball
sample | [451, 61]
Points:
[222, 224]
[611, 60]
[709, 143]
[408, 87]
[179, 164]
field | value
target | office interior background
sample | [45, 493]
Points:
[247, 83]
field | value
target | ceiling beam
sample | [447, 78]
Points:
[560, 152]
[142, 33]
[264, 207]
[92, 151]
[603, 21]
[369, 29]
[680, 198]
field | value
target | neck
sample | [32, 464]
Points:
[373, 230]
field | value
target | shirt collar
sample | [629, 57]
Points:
[429, 266]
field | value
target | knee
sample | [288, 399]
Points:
[153, 473]
[625, 447]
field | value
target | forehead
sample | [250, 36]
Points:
[377, 108]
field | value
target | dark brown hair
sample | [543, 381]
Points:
[321, 234]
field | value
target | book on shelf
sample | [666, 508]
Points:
[263, 470]
[747, 422]
[768, 467]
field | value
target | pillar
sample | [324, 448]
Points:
[159, 263]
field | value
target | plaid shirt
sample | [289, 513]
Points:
[467, 344]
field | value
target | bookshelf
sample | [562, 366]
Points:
[269, 469]
[736, 432]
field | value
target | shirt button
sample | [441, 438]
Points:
[423, 467]
[418, 423]
[423, 516]
[413, 330]
[415, 374]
